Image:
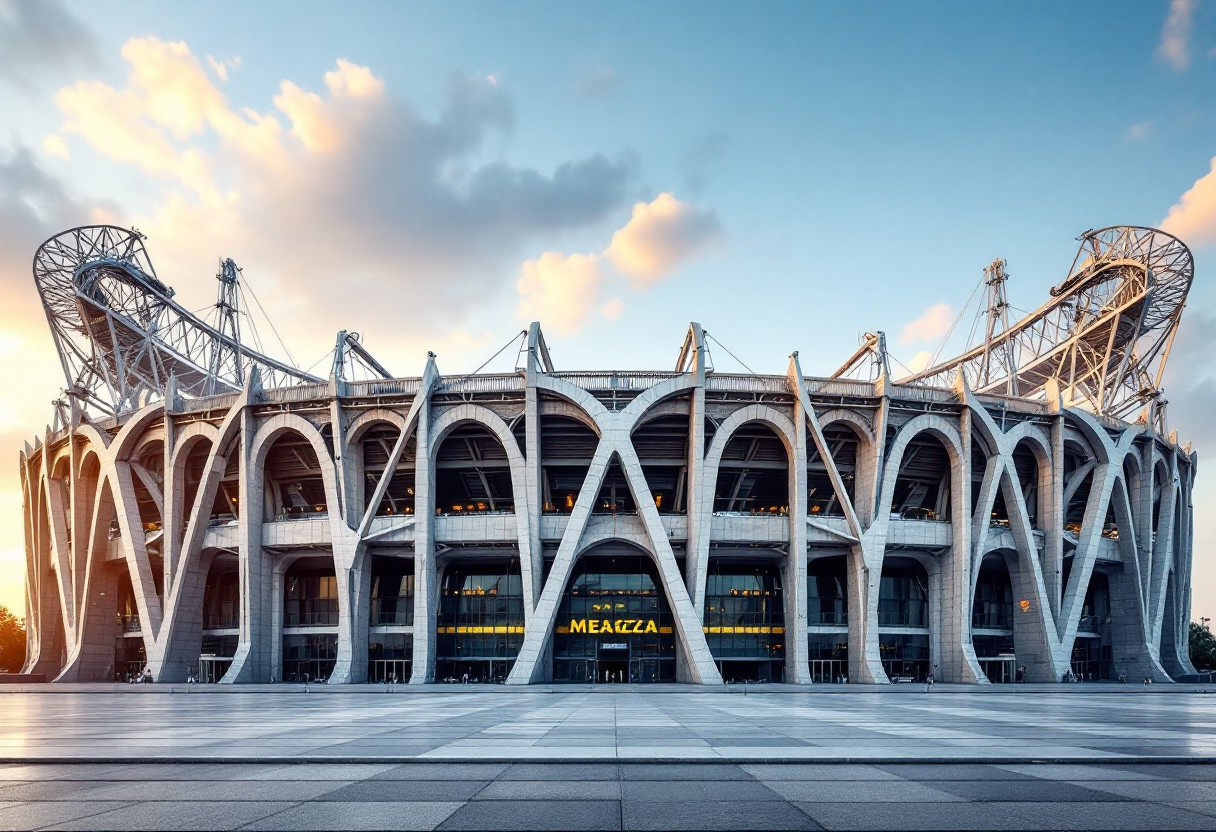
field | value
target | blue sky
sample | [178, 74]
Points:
[832, 168]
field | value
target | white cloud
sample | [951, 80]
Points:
[223, 69]
[563, 290]
[930, 326]
[1193, 218]
[54, 145]
[920, 361]
[40, 38]
[560, 290]
[349, 185]
[660, 237]
[1175, 46]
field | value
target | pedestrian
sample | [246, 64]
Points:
[464, 679]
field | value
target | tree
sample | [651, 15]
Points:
[12, 642]
[1203, 647]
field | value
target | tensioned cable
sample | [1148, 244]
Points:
[522, 334]
[946, 338]
[731, 354]
[244, 285]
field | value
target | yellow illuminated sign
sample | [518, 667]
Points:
[607, 625]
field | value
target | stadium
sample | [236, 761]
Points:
[1020, 512]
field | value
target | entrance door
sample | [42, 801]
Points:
[999, 671]
[828, 671]
[212, 668]
[613, 671]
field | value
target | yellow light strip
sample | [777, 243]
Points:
[462, 630]
[743, 630]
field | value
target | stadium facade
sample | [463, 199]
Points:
[1019, 511]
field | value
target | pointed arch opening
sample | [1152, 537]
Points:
[614, 621]
[473, 473]
[294, 486]
[922, 485]
[1026, 464]
[376, 448]
[662, 448]
[753, 475]
[567, 447]
[843, 442]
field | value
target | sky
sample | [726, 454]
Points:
[790, 175]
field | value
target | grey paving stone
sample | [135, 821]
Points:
[325, 771]
[390, 791]
[951, 771]
[1115, 816]
[1173, 772]
[280, 790]
[817, 771]
[174, 815]
[42, 772]
[917, 816]
[679, 771]
[50, 790]
[37, 815]
[1022, 790]
[841, 791]
[560, 771]
[1203, 807]
[694, 790]
[551, 790]
[504, 815]
[1072, 771]
[695, 815]
[1161, 791]
[444, 771]
[356, 817]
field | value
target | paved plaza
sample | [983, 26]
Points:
[1081, 757]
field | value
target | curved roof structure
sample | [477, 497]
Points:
[1104, 335]
[120, 334]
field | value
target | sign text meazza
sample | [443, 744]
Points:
[606, 625]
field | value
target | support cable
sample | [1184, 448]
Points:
[731, 354]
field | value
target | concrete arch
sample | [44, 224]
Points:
[281, 424]
[368, 419]
[855, 421]
[565, 409]
[936, 426]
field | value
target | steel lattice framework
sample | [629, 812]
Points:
[1105, 335]
[120, 335]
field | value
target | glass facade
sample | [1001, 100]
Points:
[390, 657]
[903, 605]
[827, 592]
[480, 624]
[392, 601]
[309, 657]
[993, 606]
[129, 657]
[614, 624]
[745, 621]
[310, 598]
[222, 600]
[829, 657]
[903, 594]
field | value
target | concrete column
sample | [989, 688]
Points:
[425, 576]
[252, 660]
[958, 662]
[793, 572]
